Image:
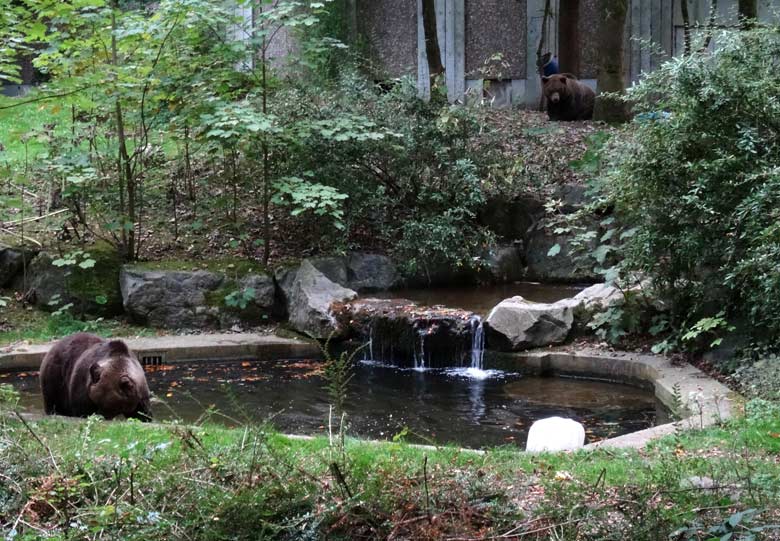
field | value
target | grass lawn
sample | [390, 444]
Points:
[124, 480]
[25, 122]
[19, 323]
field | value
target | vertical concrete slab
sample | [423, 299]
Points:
[518, 91]
[533, 85]
[666, 27]
[388, 29]
[455, 58]
[632, 47]
[423, 75]
[590, 20]
[645, 35]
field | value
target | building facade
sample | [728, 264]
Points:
[489, 47]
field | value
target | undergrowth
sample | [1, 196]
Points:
[125, 480]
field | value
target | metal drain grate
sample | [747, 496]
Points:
[151, 360]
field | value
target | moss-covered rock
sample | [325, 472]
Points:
[185, 294]
[92, 290]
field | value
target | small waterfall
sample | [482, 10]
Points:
[419, 361]
[477, 343]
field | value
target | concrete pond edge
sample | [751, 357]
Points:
[696, 398]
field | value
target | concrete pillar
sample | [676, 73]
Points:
[455, 55]
[533, 85]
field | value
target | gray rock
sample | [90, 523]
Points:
[505, 264]
[370, 272]
[12, 262]
[516, 324]
[511, 220]
[561, 267]
[94, 290]
[170, 299]
[284, 278]
[264, 288]
[573, 196]
[310, 301]
[599, 296]
[333, 267]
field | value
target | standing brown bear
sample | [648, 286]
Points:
[567, 98]
[84, 374]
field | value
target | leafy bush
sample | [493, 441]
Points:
[412, 171]
[697, 178]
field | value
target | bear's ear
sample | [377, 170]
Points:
[545, 79]
[117, 348]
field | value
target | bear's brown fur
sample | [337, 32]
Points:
[567, 98]
[84, 374]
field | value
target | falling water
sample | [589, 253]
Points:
[419, 361]
[477, 342]
[476, 370]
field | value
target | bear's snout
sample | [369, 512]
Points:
[555, 97]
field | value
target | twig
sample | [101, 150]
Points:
[42, 98]
[35, 218]
[334, 469]
[39, 440]
[427, 494]
[29, 239]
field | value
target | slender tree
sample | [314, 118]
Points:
[432, 50]
[611, 75]
[686, 17]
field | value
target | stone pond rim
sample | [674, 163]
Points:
[704, 401]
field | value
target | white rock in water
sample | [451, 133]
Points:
[555, 434]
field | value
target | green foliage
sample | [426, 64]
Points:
[699, 184]
[240, 298]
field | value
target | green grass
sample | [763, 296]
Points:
[126, 480]
[232, 267]
[19, 323]
[25, 122]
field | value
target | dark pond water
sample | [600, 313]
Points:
[431, 406]
[481, 300]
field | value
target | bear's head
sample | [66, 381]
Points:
[557, 88]
[118, 383]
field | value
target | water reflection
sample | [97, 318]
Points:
[435, 405]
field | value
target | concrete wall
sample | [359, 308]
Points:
[389, 30]
[495, 27]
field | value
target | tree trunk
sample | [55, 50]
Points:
[569, 37]
[748, 13]
[686, 17]
[432, 51]
[611, 77]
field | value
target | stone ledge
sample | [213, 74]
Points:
[687, 391]
[176, 349]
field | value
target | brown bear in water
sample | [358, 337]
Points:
[84, 374]
[567, 98]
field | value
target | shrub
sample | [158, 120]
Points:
[697, 178]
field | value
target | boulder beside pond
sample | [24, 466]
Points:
[516, 324]
[174, 299]
[93, 290]
[555, 434]
[310, 299]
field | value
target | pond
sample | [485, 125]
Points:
[433, 406]
[482, 299]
